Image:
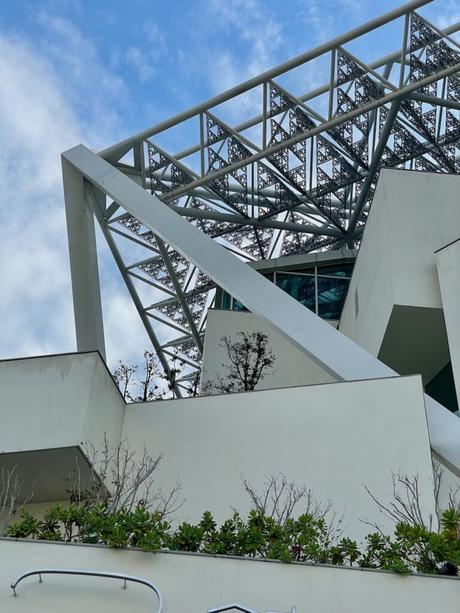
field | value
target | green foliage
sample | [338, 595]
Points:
[27, 527]
[306, 538]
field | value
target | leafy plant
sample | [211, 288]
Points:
[303, 539]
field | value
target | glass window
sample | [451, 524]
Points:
[338, 270]
[302, 288]
[218, 298]
[238, 306]
[225, 301]
[331, 296]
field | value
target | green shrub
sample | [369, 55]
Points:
[306, 538]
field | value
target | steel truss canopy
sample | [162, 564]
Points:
[295, 175]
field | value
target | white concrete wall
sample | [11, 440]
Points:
[413, 214]
[57, 401]
[196, 583]
[292, 367]
[334, 438]
[448, 266]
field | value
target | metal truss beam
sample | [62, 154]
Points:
[116, 152]
[256, 223]
[332, 351]
[391, 58]
[448, 104]
[180, 294]
[304, 207]
[394, 95]
[373, 168]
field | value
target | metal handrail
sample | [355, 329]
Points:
[90, 573]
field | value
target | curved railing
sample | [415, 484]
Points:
[90, 573]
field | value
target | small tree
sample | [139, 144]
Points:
[171, 376]
[193, 386]
[147, 388]
[142, 389]
[250, 359]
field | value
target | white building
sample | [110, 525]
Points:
[335, 436]
[365, 385]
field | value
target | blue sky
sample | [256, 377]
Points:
[95, 72]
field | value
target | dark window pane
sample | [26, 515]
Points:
[268, 275]
[331, 296]
[225, 301]
[218, 298]
[299, 287]
[337, 270]
[237, 306]
[442, 388]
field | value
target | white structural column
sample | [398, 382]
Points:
[448, 265]
[86, 292]
[337, 354]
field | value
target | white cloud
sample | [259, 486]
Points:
[444, 15]
[84, 80]
[36, 125]
[125, 335]
[248, 19]
[40, 118]
[261, 38]
[140, 62]
[143, 58]
[154, 36]
[323, 19]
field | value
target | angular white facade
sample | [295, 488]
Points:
[337, 438]
[396, 310]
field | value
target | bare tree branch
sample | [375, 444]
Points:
[120, 478]
[150, 385]
[12, 497]
[281, 499]
[406, 505]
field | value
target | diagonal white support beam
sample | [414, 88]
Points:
[337, 354]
